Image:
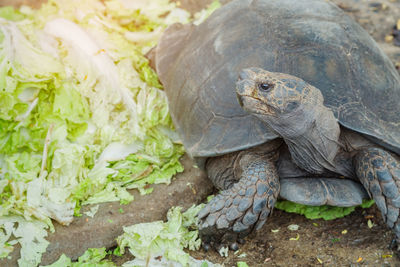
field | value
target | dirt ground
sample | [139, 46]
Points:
[348, 241]
[342, 242]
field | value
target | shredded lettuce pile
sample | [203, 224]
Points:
[161, 243]
[152, 244]
[82, 116]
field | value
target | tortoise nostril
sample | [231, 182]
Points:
[243, 86]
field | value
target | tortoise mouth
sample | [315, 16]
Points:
[244, 86]
[254, 105]
[239, 98]
[247, 97]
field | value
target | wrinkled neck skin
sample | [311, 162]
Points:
[311, 133]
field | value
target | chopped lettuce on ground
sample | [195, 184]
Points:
[161, 243]
[92, 257]
[155, 244]
[317, 212]
[82, 116]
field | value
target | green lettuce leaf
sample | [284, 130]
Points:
[91, 257]
[202, 15]
[9, 13]
[317, 212]
[167, 239]
[31, 236]
[82, 116]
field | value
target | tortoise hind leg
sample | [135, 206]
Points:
[379, 172]
[243, 206]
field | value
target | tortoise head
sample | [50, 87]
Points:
[272, 94]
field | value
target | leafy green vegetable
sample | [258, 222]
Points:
[316, 212]
[242, 264]
[167, 239]
[10, 13]
[158, 238]
[82, 116]
[205, 13]
[92, 257]
[162, 243]
[31, 236]
[367, 203]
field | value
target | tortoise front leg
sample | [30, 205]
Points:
[242, 206]
[379, 172]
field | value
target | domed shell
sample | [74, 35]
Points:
[311, 39]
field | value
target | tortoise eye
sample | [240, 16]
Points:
[265, 86]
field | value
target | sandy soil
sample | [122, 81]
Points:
[342, 242]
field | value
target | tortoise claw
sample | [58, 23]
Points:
[243, 207]
[393, 244]
[234, 246]
[206, 246]
[395, 247]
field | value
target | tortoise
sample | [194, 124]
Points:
[282, 98]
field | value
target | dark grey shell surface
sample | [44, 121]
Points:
[311, 39]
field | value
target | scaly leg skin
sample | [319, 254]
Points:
[379, 172]
[243, 206]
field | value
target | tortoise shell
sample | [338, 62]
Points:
[311, 39]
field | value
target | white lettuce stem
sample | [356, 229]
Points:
[22, 117]
[46, 149]
[80, 40]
